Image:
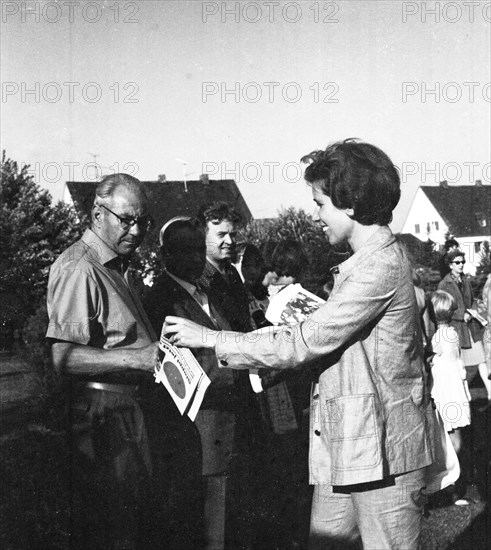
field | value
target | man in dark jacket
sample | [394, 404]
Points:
[176, 292]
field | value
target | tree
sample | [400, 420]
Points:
[146, 262]
[32, 233]
[483, 269]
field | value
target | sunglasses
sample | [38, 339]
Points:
[459, 262]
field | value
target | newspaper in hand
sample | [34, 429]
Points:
[292, 305]
[477, 316]
[183, 377]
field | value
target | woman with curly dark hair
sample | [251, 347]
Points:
[371, 418]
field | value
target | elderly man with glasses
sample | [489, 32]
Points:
[102, 339]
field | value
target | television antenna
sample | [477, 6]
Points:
[96, 165]
[184, 174]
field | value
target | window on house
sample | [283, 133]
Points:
[477, 247]
[481, 219]
[436, 226]
[416, 228]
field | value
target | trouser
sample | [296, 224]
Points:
[286, 490]
[384, 515]
[233, 505]
[136, 473]
[234, 485]
[173, 516]
[110, 470]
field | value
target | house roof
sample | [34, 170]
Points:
[463, 208]
[169, 199]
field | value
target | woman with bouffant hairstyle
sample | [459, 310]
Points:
[371, 417]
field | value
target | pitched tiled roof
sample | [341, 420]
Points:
[463, 208]
[418, 250]
[169, 199]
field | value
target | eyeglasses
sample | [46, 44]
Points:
[144, 223]
[459, 262]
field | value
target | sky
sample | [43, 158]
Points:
[243, 90]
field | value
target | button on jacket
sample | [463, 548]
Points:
[373, 416]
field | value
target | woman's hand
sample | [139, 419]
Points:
[467, 317]
[184, 333]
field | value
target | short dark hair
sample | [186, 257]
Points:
[356, 175]
[170, 231]
[450, 257]
[249, 253]
[267, 248]
[289, 259]
[218, 211]
[450, 243]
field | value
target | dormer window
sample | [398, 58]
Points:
[481, 219]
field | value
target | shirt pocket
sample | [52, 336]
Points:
[353, 431]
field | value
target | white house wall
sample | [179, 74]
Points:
[471, 249]
[423, 214]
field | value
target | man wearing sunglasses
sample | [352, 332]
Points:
[102, 339]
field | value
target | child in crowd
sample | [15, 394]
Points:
[450, 391]
[288, 262]
[286, 394]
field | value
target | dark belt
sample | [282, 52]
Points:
[116, 388]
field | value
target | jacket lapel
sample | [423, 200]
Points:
[190, 308]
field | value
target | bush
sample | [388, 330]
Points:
[52, 397]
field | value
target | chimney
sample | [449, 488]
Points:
[162, 178]
[204, 179]
[444, 184]
[478, 183]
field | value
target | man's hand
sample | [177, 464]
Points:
[185, 333]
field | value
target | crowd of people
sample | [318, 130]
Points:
[314, 435]
[455, 323]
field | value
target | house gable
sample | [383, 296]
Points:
[424, 221]
[466, 209]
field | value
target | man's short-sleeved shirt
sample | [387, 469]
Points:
[90, 299]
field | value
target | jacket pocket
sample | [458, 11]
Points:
[353, 428]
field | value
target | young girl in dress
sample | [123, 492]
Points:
[450, 391]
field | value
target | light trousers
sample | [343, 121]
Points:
[383, 515]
